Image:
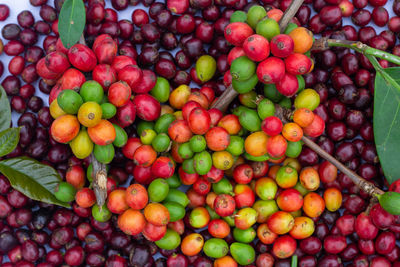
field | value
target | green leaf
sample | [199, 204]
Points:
[8, 141]
[5, 110]
[71, 22]
[32, 178]
[390, 201]
[387, 121]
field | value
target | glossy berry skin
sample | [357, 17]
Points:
[380, 16]
[288, 85]
[74, 256]
[282, 45]
[4, 12]
[385, 243]
[365, 228]
[57, 62]
[243, 174]
[256, 47]
[237, 32]
[346, 7]
[224, 205]
[330, 15]
[272, 126]
[298, 64]
[271, 70]
[335, 244]
[82, 57]
[361, 17]
[377, 3]
[381, 218]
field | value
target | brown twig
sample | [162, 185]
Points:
[99, 181]
[290, 12]
[368, 187]
[363, 184]
[320, 44]
[225, 99]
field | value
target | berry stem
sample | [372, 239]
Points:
[325, 43]
[82, 40]
[372, 202]
[294, 261]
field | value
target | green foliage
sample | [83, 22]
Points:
[71, 22]
[8, 141]
[35, 180]
[387, 121]
[5, 110]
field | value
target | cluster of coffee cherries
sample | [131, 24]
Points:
[275, 59]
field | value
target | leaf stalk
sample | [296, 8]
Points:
[325, 43]
[378, 68]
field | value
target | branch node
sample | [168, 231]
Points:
[366, 186]
[99, 181]
[259, 98]
[320, 44]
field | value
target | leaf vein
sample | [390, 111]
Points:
[391, 126]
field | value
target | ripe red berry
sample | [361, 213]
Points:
[282, 45]
[272, 126]
[256, 47]
[271, 70]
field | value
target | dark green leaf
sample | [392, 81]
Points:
[71, 22]
[390, 201]
[35, 180]
[5, 110]
[8, 141]
[387, 121]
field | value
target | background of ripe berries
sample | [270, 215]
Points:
[18, 5]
